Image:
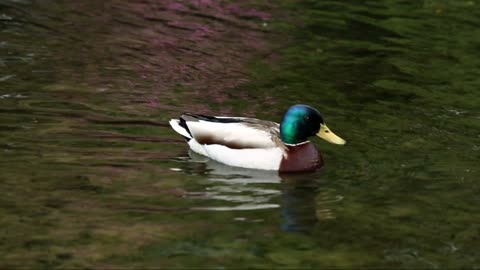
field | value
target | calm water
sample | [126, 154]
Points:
[92, 176]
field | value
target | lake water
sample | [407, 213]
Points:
[92, 176]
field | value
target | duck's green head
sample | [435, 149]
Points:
[301, 122]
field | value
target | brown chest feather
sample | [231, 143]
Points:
[301, 158]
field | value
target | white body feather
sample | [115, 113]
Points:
[232, 133]
[253, 158]
[262, 153]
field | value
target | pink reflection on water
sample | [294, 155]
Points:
[202, 3]
[198, 46]
[175, 6]
[247, 13]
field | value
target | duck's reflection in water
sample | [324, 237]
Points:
[300, 197]
[305, 202]
[298, 203]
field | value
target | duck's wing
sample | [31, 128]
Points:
[232, 132]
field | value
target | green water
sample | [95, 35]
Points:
[92, 176]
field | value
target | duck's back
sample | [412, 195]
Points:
[232, 132]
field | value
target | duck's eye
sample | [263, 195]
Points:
[307, 118]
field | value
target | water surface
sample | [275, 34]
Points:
[92, 176]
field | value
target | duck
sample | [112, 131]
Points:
[259, 144]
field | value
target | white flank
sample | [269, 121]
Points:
[252, 158]
[179, 129]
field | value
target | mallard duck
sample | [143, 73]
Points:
[258, 144]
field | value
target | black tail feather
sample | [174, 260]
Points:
[196, 117]
[183, 124]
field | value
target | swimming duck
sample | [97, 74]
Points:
[258, 144]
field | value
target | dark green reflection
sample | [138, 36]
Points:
[298, 203]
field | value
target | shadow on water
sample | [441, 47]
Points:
[305, 202]
[301, 199]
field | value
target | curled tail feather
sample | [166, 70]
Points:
[181, 128]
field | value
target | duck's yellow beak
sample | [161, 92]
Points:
[326, 134]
